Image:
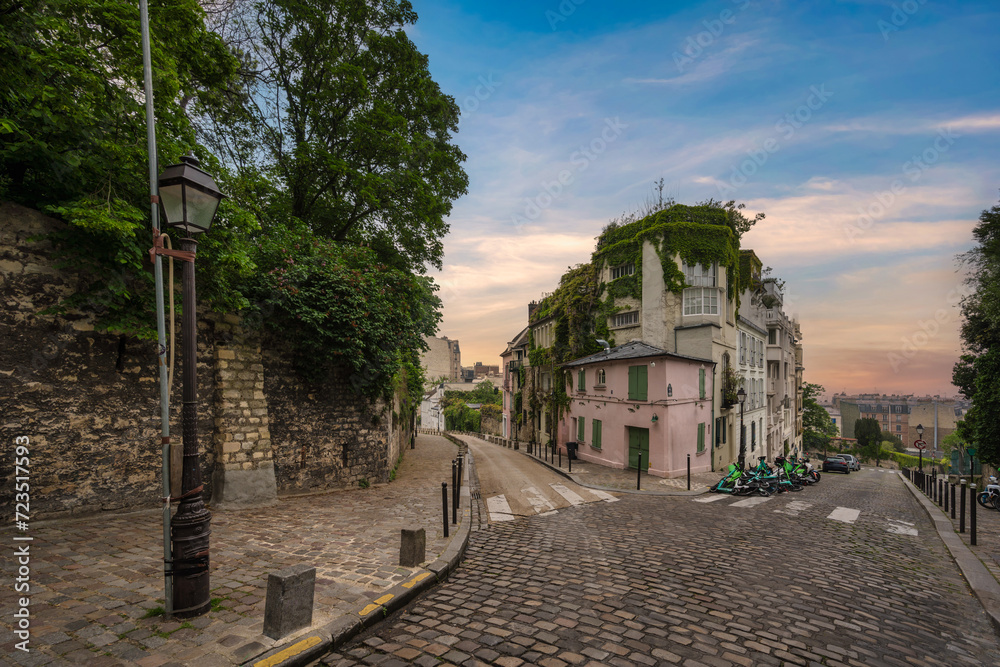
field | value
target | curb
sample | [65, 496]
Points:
[983, 584]
[342, 629]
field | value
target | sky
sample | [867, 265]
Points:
[866, 131]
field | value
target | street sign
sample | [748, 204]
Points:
[920, 444]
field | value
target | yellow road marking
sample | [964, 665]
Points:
[289, 652]
[385, 598]
[419, 577]
[368, 609]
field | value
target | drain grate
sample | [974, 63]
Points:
[476, 496]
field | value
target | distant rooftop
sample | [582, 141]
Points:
[633, 350]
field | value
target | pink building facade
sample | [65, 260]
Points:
[638, 400]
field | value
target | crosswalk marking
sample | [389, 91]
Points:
[901, 527]
[539, 503]
[845, 514]
[752, 501]
[499, 508]
[572, 497]
[709, 499]
[794, 508]
[604, 495]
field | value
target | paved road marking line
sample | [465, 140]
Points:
[385, 598]
[289, 652]
[549, 513]
[751, 502]
[709, 499]
[499, 508]
[901, 527]
[369, 608]
[794, 508]
[538, 502]
[418, 578]
[572, 497]
[845, 514]
[604, 495]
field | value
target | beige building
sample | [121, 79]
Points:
[442, 359]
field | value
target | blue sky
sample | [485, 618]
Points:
[866, 131]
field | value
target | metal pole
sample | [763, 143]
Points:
[689, 472]
[560, 458]
[638, 474]
[952, 501]
[944, 492]
[192, 524]
[972, 515]
[444, 505]
[961, 512]
[454, 491]
[161, 338]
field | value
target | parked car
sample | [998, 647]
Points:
[838, 463]
[853, 462]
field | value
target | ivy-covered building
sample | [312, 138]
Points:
[674, 281]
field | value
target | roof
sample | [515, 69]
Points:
[633, 350]
[519, 340]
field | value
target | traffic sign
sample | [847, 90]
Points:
[920, 444]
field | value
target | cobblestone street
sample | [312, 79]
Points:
[849, 572]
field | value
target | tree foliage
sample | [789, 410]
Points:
[977, 373]
[869, 436]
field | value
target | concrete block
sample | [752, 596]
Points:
[412, 547]
[289, 604]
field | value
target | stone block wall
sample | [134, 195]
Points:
[89, 403]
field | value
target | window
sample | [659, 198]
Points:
[772, 336]
[701, 297]
[701, 383]
[581, 424]
[601, 378]
[637, 383]
[743, 348]
[595, 433]
[623, 270]
[701, 437]
[581, 380]
[626, 319]
[899, 427]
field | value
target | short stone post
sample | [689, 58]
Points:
[289, 604]
[412, 547]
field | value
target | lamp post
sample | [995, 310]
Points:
[920, 436]
[741, 396]
[189, 198]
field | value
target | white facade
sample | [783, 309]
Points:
[431, 412]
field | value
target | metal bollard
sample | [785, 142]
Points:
[444, 505]
[944, 490]
[953, 501]
[972, 515]
[454, 491]
[961, 512]
[569, 461]
[560, 458]
[689, 472]
[638, 474]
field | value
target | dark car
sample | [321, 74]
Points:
[837, 463]
[852, 462]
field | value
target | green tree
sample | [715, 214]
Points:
[869, 436]
[817, 425]
[977, 374]
[337, 106]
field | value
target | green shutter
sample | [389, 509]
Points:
[701, 383]
[637, 383]
[581, 424]
[595, 433]
[701, 437]
[581, 383]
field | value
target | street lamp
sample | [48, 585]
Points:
[920, 436]
[190, 198]
[741, 396]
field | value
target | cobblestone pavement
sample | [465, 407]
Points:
[95, 580]
[847, 572]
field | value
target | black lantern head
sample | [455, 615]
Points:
[189, 196]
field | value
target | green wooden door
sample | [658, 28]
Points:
[638, 441]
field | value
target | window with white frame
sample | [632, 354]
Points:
[626, 319]
[701, 298]
[601, 377]
[623, 270]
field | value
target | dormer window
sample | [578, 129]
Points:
[622, 270]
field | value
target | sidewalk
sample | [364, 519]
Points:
[96, 581]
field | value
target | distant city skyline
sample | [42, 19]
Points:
[863, 134]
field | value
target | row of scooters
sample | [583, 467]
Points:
[788, 474]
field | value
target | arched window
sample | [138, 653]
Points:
[600, 377]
